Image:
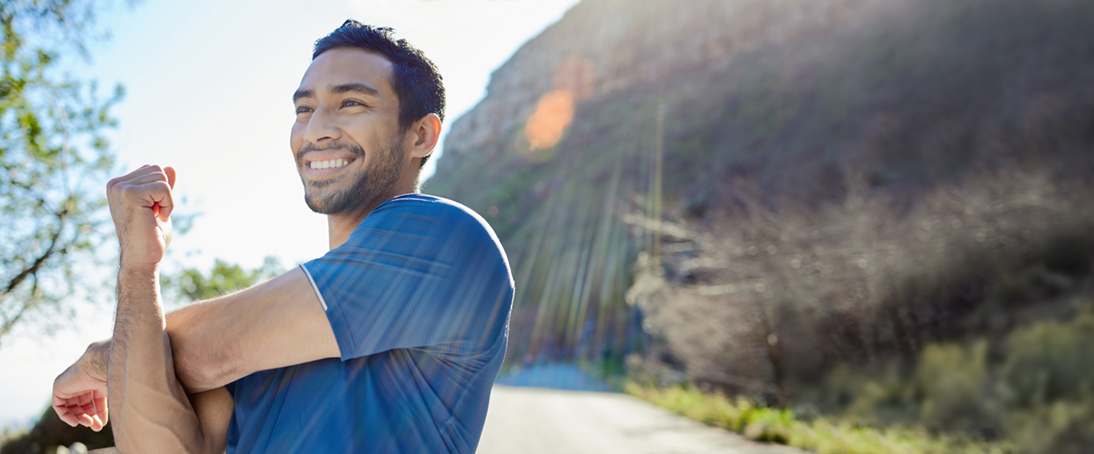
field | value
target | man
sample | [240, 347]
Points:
[388, 343]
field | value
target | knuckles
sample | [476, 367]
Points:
[126, 188]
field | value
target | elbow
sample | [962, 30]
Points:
[198, 370]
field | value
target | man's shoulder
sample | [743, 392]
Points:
[428, 211]
[426, 203]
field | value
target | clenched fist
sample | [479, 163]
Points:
[141, 204]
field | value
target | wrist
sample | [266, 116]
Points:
[126, 263]
[130, 268]
[95, 359]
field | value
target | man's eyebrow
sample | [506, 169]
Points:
[357, 87]
[302, 94]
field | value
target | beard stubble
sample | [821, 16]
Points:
[376, 183]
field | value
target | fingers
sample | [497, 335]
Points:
[90, 406]
[166, 206]
[83, 410]
[140, 172]
[153, 191]
[166, 174]
[80, 399]
[170, 171]
[96, 423]
[86, 409]
[61, 400]
[102, 414]
[70, 412]
[64, 413]
[148, 186]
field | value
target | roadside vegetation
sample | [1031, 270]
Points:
[821, 435]
[1035, 399]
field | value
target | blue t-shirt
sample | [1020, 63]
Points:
[419, 300]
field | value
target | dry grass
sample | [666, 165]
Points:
[823, 436]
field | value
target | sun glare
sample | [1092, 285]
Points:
[575, 80]
[554, 112]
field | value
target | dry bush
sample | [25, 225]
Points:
[765, 299]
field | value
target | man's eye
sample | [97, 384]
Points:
[352, 103]
[303, 109]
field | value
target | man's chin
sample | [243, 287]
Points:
[325, 203]
[320, 183]
[322, 207]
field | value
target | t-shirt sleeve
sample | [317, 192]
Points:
[416, 273]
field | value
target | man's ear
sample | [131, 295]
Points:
[424, 135]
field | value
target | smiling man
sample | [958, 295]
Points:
[389, 343]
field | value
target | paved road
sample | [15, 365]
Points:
[544, 421]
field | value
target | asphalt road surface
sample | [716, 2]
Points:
[542, 421]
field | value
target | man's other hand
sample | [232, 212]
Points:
[141, 205]
[79, 397]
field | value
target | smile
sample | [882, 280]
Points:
[328, 164]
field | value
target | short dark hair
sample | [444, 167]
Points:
[416, 81]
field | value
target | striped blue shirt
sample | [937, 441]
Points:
[419, 300]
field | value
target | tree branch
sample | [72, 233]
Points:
[32, 270]
[35, 298]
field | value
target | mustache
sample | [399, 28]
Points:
[310, 147]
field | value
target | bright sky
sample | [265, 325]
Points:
[208, 92]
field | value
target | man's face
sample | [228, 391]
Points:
[346, 139]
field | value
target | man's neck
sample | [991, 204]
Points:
[340, 226]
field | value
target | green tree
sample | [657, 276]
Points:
[191, 284]
[54, 158]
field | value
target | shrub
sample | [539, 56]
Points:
[1059, 428]
[1039, 395]
[951, 380]
[824, 436]
[1050, 361]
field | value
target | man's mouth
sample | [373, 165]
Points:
[328, 164]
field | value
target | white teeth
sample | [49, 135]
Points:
[328, 164]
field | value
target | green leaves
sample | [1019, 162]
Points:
[54, 161]
[191, 284]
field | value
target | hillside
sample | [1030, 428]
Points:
[787, 106]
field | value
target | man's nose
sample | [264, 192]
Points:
[321, 126]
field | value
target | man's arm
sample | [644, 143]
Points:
[151, 410]
[80, 398]
[273, 324]
[277, 323]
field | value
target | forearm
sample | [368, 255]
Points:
[274, 324]
[191, 374]
[150, 409]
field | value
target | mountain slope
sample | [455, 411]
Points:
[788, 106]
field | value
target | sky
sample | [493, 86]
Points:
[208, 91]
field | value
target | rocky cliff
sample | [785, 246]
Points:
[604, 46]
[628, 131]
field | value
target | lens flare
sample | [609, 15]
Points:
[553, 114]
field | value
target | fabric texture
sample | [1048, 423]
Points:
[419, 300]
